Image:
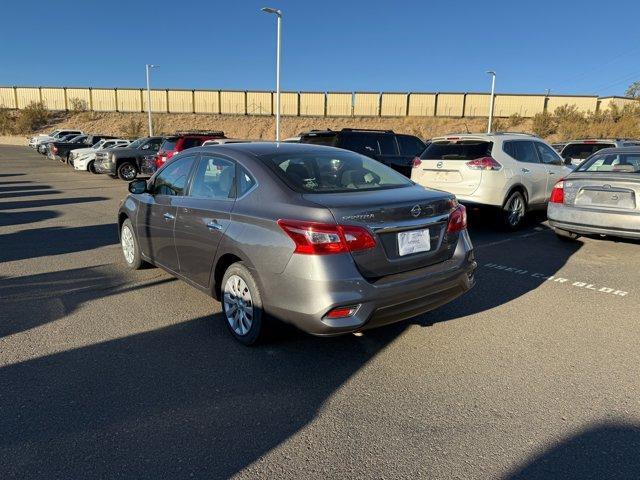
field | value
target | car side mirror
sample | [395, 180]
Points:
[138, 186]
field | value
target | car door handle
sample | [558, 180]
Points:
[213, 225]
[552, 173]
[526, 170]
[168, 216]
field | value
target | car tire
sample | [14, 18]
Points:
[91, 167]
[512, 214]
[127, 171]
[130, 247]
[242, 304]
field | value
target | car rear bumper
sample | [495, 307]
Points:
[311, 286]
[594, 222]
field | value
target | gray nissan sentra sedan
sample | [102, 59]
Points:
[323, 238]
[601, 196]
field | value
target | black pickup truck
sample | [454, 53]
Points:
[61, 150]
[127, 163]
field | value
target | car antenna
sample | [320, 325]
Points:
[467, 127]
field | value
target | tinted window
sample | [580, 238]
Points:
[547, 154]
[612, 163]
[387, 145]
[457, 150]
[169, 145]
[245, 181]
[410, 146]
[190, 143]
[328, 140]
[583, 150]
[333, 172]
[214, 178]
[172, 179]
[521, 150]
[362, 143]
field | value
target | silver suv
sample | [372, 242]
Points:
[514, 172]
[574, 152]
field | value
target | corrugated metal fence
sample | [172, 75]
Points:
[323, 104]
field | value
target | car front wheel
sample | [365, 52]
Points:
[130, 248]
[127, 172]
[242, 304]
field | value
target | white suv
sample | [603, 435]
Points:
[514, 172]
[84, 158]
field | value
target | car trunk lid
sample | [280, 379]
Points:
[613, 192]
[389, 214]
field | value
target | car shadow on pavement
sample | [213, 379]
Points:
[42, 242]
[19, 218]
[48, 203]
[608, 450]
[4, 175]
[25, 193]
[4, 189]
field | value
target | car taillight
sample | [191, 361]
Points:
[313, 238]
[484, 163]
[457, 220]
[416, 162]
[557, 194]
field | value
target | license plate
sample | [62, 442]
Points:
[414, 241]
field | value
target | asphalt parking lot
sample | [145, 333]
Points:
[107, 373]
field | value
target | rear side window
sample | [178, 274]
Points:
[245, 181]
[327, 140]
[410, 146]
[521, 150]
[457, 150]
[214, 178]
[191, 142]
[361, 143]
[387, 145]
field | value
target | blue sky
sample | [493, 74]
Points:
[581, 47]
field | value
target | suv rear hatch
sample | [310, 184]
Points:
[388, 213]
[443, 164]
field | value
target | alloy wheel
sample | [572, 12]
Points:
[128, 172]
[238, 305]
[128, 245]
[515, 210]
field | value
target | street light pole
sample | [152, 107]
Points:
[493, 92]
[148, 68]
[278, 14]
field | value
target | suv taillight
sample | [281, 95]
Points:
[557, 194]
[313, 238]
[416, 162]
[457, 220]
[484, 163]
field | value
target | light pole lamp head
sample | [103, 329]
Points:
[275, 11]
[491, 72]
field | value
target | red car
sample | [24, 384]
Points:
[181, 141]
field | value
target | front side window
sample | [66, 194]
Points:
[547, 154]
[214, 178]
[172, 179]
[190, 143]
[340, 171]
[612, 163]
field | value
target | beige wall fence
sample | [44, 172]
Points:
[324, 104]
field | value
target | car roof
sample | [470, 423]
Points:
[487, 136]
[266, 148]
[632, 149]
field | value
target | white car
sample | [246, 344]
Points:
[511, 172]
[84, 158]
[38, 140]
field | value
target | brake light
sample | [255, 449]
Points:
[343, 312]
[457, 220]
[484, 163]
[557, 194]
[323, 239]
[416, 162]
[453, 138]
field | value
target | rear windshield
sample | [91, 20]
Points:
[168, 145]
[328, 140]
[333, 172]
[612, 163]
[457, 150]
[583, 150]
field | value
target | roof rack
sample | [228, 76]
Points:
[201, 132]
[366, 130]
[515, 133]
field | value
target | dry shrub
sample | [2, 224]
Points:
[32, 118]
[7, 122]
[544, 124]
[515, 120]
[78, 105]
[134, 128]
